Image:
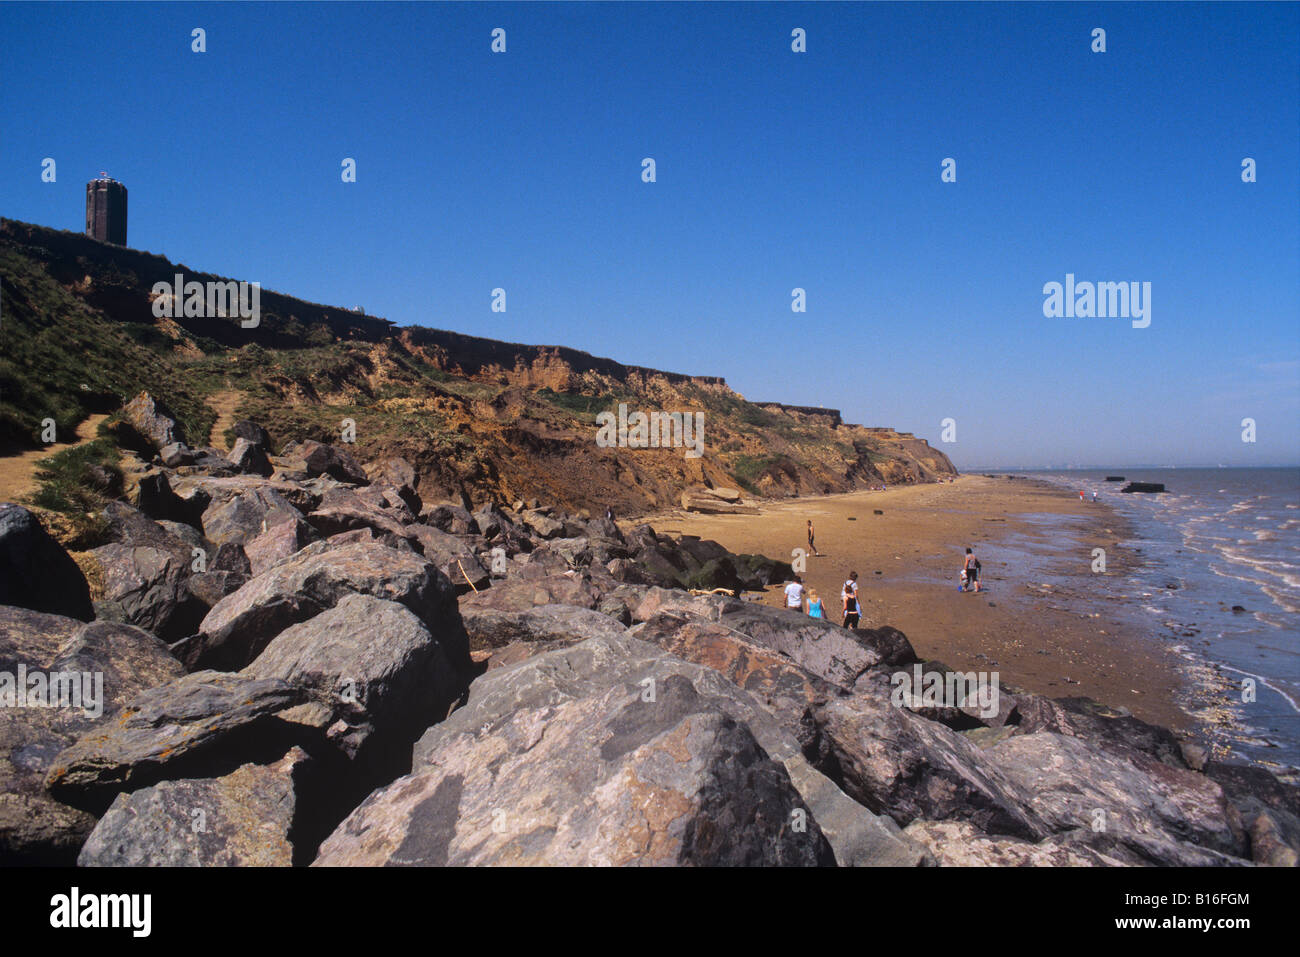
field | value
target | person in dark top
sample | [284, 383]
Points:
[972, 568]
[849, 594]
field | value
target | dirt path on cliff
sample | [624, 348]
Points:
[18, 472]
[224, 404]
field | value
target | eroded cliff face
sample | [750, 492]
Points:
[479, 418]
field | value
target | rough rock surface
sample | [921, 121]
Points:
[489, 628]
[242, 518]
[628, 670]
[907, 767]
[606, 779]
[793, 696]
[1165, 814]
[372, 651]
[242, 624]
[240, 820]
[34, 826]
[151, 421]
[452, 556]
[35, 571]
[194, 723]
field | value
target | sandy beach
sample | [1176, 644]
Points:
[1038, 623]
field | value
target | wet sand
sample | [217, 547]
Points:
[1040, 622]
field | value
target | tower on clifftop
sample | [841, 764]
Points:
[106, 210]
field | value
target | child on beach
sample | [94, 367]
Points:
[811, 547]
[849, 594]
[815, 605]
[972, 570]
[794, 595]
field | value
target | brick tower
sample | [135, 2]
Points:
[106, 210]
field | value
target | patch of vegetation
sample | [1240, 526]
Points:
[746, 469]
[579, 404]
[61, 358]
[78, 482]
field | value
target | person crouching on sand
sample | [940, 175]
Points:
[849, 594]
[972, 570]
[811, 547]
[815, 605]
[794, 595]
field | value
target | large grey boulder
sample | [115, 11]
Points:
[961, 844]
[612, 780]
[793, 696]
[602, 681]
[147, 582]
[374, 652]
[398, 476]
[450, 518]
[522, 593]
[35, 828]
[243, 517]
[488, 628]
[151, 421]
[1084, 718]
[908, 767]
[541, 524]
[35, 571]
[343, 510]
[388, 498]
[1165, 814]
[676, 601]
[279, 541]
[253, 433]
[241, 625]
[834, 654]
[202, 491]
[243, 819]
[176, 455]
[250, 458]
[204, 724]
[322, 459]
[452, 556]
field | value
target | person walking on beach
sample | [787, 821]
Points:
[972, 570]
[815, 605]
[849, 594]
[811, 547]
[794, 595]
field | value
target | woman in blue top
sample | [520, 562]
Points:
[815, 606]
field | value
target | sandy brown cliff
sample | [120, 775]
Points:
[480, 419]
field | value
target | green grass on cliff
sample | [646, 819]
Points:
[61, 359]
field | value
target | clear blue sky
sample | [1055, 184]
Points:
[775, 170]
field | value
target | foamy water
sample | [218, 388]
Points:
[1219, 539]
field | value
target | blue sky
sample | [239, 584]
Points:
[775, 170]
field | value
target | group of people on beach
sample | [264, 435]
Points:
[807, 601]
